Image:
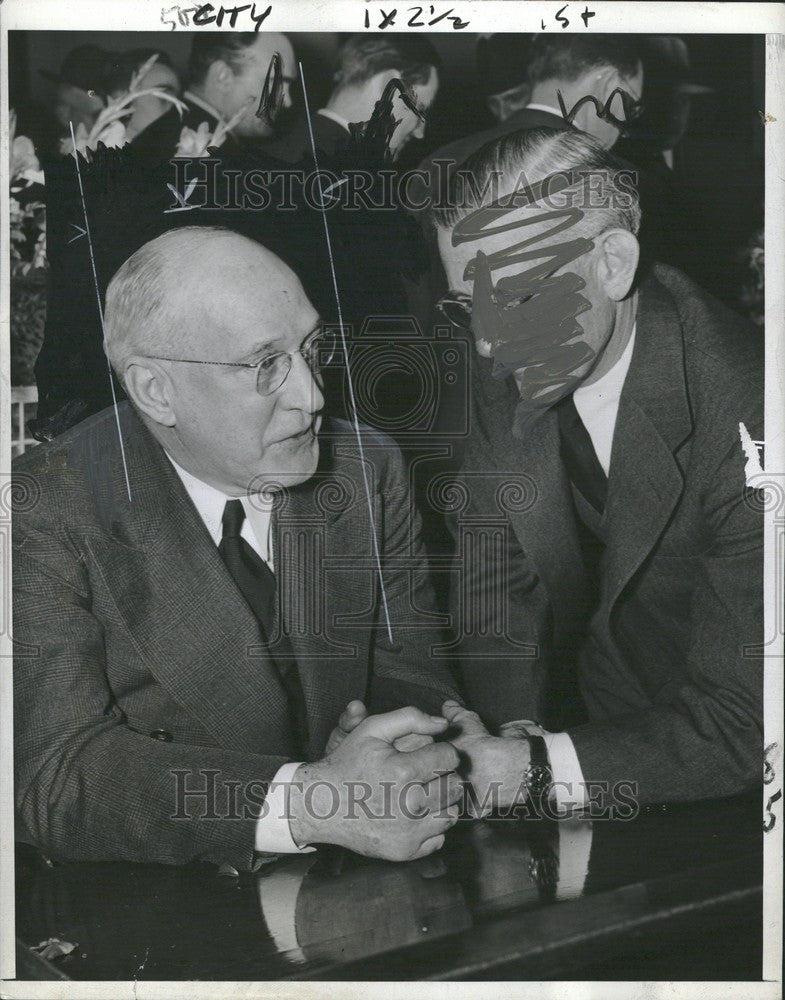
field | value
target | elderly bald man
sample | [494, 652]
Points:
[199, 593]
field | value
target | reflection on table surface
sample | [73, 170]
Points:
[515, 897]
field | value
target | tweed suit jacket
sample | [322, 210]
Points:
[665, 652]
[295, 145]
[138, 663]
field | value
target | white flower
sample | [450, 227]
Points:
[113, 135]
[81, 135]
[194, 143]
[23, 158]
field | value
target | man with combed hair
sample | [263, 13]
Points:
[615, 420]
[226, 74]
[365, 64]
[200, 590]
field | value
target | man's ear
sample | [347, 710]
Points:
[606, 80]
[617, 262]
[150, 390]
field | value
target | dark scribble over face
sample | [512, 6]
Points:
[544, 321]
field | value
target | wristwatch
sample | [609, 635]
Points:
[538, 775]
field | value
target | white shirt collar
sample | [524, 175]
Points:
[333, 116]
[210, 504]
[544, 107]
[598, 404]
[612, 381]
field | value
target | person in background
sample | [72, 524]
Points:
[652, 144]
[81, 86]
[161, 76]
[226, 75]
[574, 65]
[501, 70]
[365, 65]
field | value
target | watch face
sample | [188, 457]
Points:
[538, 779]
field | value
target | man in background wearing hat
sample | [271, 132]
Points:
[80, 86]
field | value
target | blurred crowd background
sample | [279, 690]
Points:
[700, 134]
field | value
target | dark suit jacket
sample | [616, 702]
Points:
[460, 149]
[129, 630]
[295, 145]
[665, 659]
[159, 140]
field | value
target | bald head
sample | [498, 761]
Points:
[193, 319]
[175, 296]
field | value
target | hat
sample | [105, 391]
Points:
[673, 59]
[86, 67]
[501, 62]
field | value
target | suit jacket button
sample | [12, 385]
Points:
[162, 734]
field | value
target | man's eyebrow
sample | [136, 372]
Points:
[318, 325]
[261, 348]
[266, 346]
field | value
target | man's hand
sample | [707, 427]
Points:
[350, 719]
[494, 766]
[353, 715]
[373, 799]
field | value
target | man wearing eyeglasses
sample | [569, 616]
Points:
[206, 577]
[226, 74]
[611, 528]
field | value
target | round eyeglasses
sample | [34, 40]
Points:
[456, 307]
[318, 351]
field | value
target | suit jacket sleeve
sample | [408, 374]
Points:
[88, 787]
[408, 672]
[705, 738]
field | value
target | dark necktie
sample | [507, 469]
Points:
[579, 456]
[256, 582]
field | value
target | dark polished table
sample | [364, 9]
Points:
[672, 894]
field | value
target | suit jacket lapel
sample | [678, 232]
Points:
[645, 480]
[545, 527]
[332, 661]
[187, 618]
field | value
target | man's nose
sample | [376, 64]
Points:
[301, 389]
[286, 99]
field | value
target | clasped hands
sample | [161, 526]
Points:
[387, 789]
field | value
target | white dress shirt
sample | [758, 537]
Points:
[598, 406]
[273, 835]
[544, 107]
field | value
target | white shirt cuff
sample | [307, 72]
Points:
[273, 835]
[569, 788]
